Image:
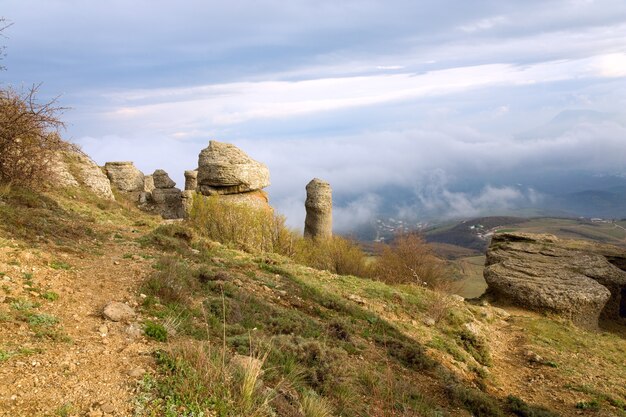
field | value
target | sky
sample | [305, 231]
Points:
[416, 108]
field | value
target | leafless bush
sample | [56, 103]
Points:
[29, 137]
[336, 254]
[409, 260]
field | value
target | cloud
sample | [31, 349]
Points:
[484, 24]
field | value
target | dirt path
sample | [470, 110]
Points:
[84, 364]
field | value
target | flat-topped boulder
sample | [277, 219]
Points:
[125, 176]
[571, 278]
[225, 169]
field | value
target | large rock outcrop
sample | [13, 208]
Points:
[319, 210]
[575, 279]
[75, 169]
[165, 199]
[225, 169]
[125, 176]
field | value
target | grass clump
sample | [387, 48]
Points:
[312, 405]
[170, 238]
[155, 331]
[50, 296]
[203, 379]
[593, 405]
[56, 264]
[520, 408]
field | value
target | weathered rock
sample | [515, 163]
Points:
[162, 180]
[319, 210]
[187, 197]
[568, 277]
[191, 180]
[168, 202]
[148, 183]
[116, 311]
[225, 169]
[75, 169]
[125, 176]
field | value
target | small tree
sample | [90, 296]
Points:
[29, 137]
[409, 260]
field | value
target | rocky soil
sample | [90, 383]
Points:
[62, 356]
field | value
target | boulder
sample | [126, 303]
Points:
[191, 180]
[116, 311]
[225, 169]
[125, 176]
[571, 278]
[162, 180]
[319, 210]
[167, 202]
[75, 169]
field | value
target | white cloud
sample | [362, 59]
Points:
[484, 24]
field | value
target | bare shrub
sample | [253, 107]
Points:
[29, 137]
[336, 254]
[245, 227]
[409, 260]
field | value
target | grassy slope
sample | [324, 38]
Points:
[363, 347]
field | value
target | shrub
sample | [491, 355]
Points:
[155, 331]
[242, 226]
[409, 260]
[174, 281]
[338, 255]
[29, 137]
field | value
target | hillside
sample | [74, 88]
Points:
[230, 333]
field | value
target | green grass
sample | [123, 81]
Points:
[56, 264]
[50, 296]
[155, 331]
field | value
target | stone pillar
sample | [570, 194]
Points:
[319, 210]
[187, 201]
[191, 180]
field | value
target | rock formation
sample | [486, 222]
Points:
[74, 169]
[125, 176]
[225, 169]
[166, 200]
[148, 184]
[575, 279]
[191, 180]
[319, 210]
[162, 180]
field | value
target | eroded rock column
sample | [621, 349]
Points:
[191, 180]
[319, 210]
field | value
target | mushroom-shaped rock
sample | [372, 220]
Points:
[225, 169]
[319, 210]
[125, 176]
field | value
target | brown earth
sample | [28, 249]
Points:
[84, 365]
